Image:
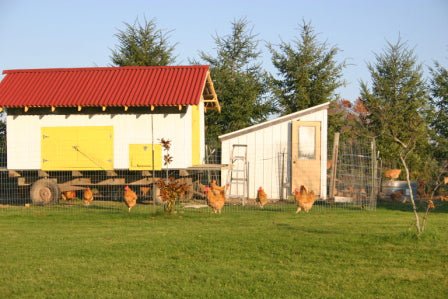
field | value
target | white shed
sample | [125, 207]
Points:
[279, 155]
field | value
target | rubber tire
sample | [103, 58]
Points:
[45, 191]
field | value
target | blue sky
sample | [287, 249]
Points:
[44, 33]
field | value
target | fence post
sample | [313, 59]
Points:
[334, 165]
[374, 173]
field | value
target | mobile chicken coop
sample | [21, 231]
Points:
[70, 128]
[278, 155]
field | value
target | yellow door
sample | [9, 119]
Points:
[305, 157]
[140, 156]
[77, 148]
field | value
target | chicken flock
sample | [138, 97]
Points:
[129, 197]
[215, 195]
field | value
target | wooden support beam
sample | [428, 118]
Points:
[76, 173]
[25, 109]
[42, 174]
[144, 181]
[104, 108]
[79, 108]
[53, 108]
[13, 174]
[79, 181]
[113, 181]
[126, 108]
[111, 173]
[152, 107]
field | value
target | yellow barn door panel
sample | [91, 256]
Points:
[195, 136]
[77, 148]
[140, 156]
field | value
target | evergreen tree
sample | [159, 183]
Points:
[439, 100]
[143, 45]
[397, 103]
[308, 72]
[240, 82]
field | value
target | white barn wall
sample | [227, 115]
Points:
[24, 134]
[265, 146]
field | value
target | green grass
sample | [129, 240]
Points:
[328, 253]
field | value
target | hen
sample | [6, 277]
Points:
[130, 198]
[392, 173]
[68, 195]
[262, 197]
[304, 199]
[215, 188]
[215, 199]
[87, 197]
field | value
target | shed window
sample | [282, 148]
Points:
[307, 143]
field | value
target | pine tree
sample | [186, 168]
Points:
[308, 72]
[439, 100]
[240, 82]
[143, 45]
[397, 103]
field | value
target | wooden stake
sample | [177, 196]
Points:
[334, 165]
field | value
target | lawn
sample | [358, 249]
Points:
[242, 253]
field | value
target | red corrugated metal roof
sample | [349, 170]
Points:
[103, 86]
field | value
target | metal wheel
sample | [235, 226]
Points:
[44, 191]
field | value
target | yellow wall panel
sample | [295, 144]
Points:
[140, 156]
[77, 148]
[195, 136]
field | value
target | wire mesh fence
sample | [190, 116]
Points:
[355, 186]
[354, 177]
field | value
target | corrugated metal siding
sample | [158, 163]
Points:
[104, 86]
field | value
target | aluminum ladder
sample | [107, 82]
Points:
[237, 176]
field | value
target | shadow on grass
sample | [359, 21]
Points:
[441, 206]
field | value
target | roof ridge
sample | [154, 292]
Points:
[103, 68]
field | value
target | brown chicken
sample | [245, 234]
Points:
[130, 198]
[304, 199]
[215, 199]
[215, 188]
[392, 173]
[262, 197]
[68, 195]
[87, 197]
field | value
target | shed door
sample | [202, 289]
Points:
[305, 146]
[77, 148]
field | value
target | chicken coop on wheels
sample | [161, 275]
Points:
[278, 155]
[72, 128]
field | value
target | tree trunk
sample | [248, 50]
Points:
[411, 194]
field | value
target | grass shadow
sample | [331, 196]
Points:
[441, 206]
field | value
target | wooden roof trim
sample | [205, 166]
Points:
[209, 94]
